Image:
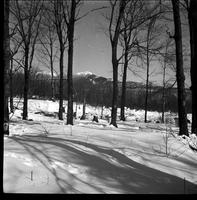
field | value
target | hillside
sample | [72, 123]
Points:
[97, 90]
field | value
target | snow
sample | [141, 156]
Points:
[84, 73]
[46, 73]
[44, 155]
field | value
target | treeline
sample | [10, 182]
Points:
[100, 94]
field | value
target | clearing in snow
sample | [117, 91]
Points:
[44, 155]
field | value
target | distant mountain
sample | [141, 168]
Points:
[88, 78]
[91, 78]
[86, 73]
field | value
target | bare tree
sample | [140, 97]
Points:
[48, 38]
[193, 71]
[147, 50]
[152, 46]
[61, 29]
[183, 129]
[6, 47]
[149, 31]
[132, 19]
[70, 19]
[145, 16]
[84, 106]
[136, 14]
[103, 91]
[191, 6]
[27, 14]
[15, 44]
[114, 34]
[167, 60]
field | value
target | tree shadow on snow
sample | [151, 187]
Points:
[107, 128]
[115, 170]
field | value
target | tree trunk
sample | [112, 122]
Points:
[52, 85]
[123, 96]
[147, 83]
[51, 64]
[163, 94]
[11, 87]
[192, 17]
[150, 27]
[164, 83]
[84, 107]
[115, 92]
[115, 63]
[70, 84]
[26, 85]
[70, 64]
[102, 108]
[76, 107]
[60, 114]
[6, 47]
[183, 129]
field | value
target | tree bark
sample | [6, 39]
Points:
[26, 85]
[163, 94]
[192, 17]
[70, 64]
[102, 108]
[60, 114]
[149, 33]
[115, 89]
[6, 47]
[11, 86]
[147, 75]
[58, 9]
[51, 64]
[183, 129]
[123, 96]
[84, 107]
[164, 84]
[102, 98]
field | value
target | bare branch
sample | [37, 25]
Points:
[93, 10]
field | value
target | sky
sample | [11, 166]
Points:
[92, 48]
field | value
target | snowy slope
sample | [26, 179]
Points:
[84, 73]
[44, 155]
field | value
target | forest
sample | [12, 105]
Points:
[97, 94]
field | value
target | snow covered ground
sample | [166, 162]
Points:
[44, 155]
